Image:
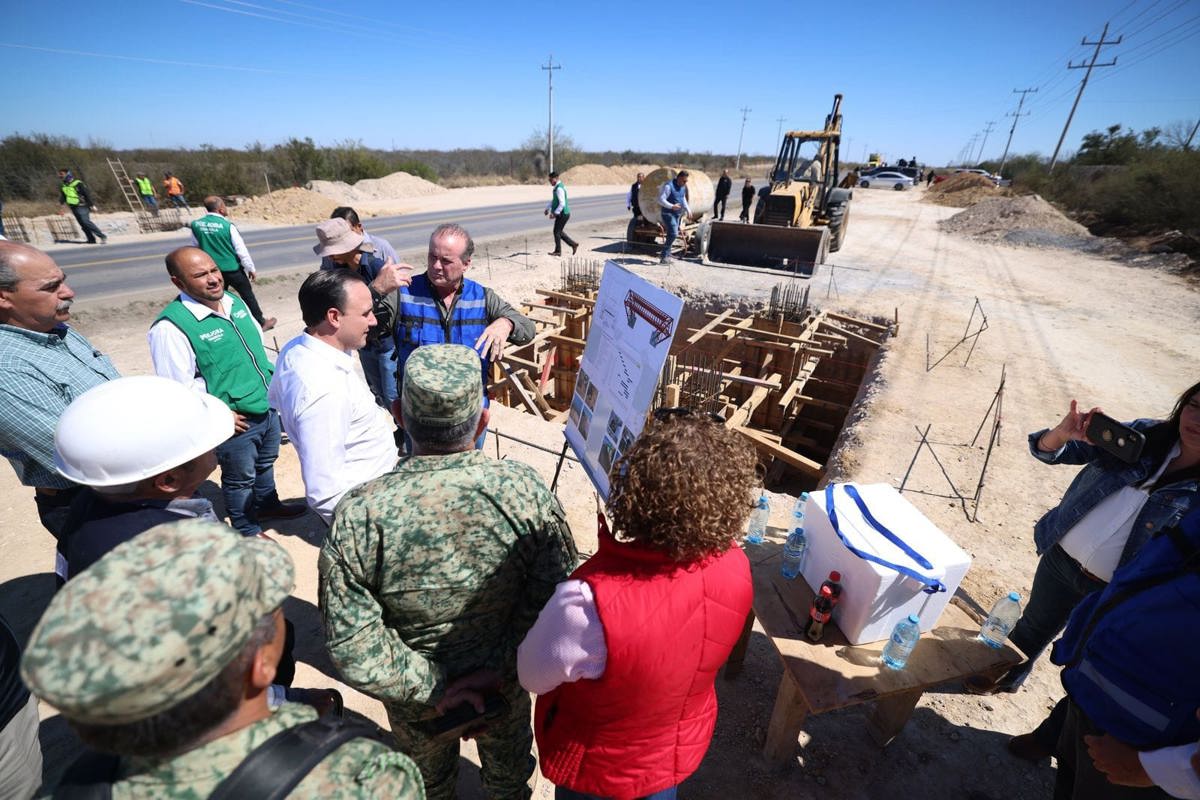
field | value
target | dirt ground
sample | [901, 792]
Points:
[1064, 324]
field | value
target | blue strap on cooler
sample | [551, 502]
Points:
[932, 585]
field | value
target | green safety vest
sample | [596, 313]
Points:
[566, 206]
[229, 354]
[212, 232]
[71, 192]
[145, 188]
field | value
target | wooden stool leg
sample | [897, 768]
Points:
[786, 720]
[891, 714]
[733, 667]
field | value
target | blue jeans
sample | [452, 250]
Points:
[247, 462]
[671, 223]
[563, 793]
[149, 202]
[179, 200]
[1058, 586]
[379, 368]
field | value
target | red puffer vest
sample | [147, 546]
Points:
[645, 724]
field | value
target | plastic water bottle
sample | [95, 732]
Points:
[999, 624]
[758, 521]
[796, 546]
[904, 639]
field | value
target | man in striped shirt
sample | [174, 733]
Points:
[44, 365]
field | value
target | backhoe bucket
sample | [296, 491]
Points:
[795, 250]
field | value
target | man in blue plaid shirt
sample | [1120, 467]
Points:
[44, 365]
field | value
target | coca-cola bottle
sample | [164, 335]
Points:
[834, 582]
[819, 614]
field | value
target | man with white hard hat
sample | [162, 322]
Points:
[142, 466]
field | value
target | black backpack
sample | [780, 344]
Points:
[270, 772]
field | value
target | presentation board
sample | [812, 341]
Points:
[633, 324]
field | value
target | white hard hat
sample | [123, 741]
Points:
[133, 428]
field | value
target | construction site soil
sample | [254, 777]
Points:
[1062, 323]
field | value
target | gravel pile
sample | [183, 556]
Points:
[286, 207]
[390, 187]
[962, 190]
[1027, 220]
[600, 175]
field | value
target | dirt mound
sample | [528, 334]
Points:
[627, 173]
[962, 190]
[1027, 220]
[390, 187]
[590, 175]
[286, 207]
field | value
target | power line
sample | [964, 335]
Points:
[1167, 46]
[1163, 15]
[990, 125]
[169, 62]
[1101, 42]
[1016, 115]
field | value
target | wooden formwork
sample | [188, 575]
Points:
[784, 382]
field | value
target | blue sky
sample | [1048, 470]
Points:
[919, 78]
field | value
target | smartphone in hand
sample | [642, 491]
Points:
[1112, 437]
[460, 719]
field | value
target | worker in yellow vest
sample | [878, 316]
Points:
[74, 194]
[145, 190]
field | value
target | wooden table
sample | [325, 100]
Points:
[829, 674]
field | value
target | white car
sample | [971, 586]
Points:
[996, 179]
[884, 180]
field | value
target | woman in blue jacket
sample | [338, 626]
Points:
[1108, 513]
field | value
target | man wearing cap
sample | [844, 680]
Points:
[432, 574]
[216, 235]
[206, 340]
[382, 248]
[347, 248]
[161, 654]
[44, 365]
[342, 437]
[443, 306]
[142, 466]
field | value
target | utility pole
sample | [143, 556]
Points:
[1016, 116]
[1083, 84]
[969, 150]
[1188, 144]
[745, 111]
[779, 130]
[986, 131]
[549, 68]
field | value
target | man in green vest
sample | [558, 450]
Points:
[216, 235]
[74, 194]
[559, 210]
[145, 190]
[207, 340]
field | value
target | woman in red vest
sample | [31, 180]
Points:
[624, 655]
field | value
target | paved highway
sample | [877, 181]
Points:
[102, 270]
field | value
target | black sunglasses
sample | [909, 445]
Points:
[667, 412]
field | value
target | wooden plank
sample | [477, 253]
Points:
[787, 718]
[566, 340]
[891, 714]
[570, 298]
[707, 329]
[533, 391]
[858, 321]
[852, 334]
[524, 396]
[828, 404]
[729, 376]
[746, 410]
[791, 457]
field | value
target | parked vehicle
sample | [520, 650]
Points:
[884, 180]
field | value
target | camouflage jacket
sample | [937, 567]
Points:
[358, 770]
[436, 570]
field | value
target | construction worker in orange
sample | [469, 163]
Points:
[174, 189]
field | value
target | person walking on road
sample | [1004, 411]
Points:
[206, 340]
[631, 201]
[747, 200]
[216, 235]
[559, 209]
[672, 200]
[75, 195]
[174, 189]
[724, 187]
[145, 190]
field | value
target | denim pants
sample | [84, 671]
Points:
[1058, 586]
[83, 215]
[379, 368]
[671, 223]
[150, 202]
[179, 200]
[247, 462]
[563, 793]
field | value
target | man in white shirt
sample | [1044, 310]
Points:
[342, 437]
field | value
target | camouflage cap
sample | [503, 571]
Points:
[153, 621]
[443, 385]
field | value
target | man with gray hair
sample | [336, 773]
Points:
[432, 574]
[160, 658]
[44, 365]
[443, 306]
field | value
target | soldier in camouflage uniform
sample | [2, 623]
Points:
[162, 652]
[432, 574]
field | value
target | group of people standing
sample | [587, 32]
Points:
[449, 581]
[75, 196]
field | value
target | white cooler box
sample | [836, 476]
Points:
[875, 597]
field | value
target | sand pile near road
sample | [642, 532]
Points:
[1027, 220]
[962, 190]
[627, 173]
[590, 175]
[286, 207]
[390, 187]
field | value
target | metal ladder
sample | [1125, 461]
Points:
[165, 220]
[126, 186]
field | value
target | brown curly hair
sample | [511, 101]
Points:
[684, 487]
